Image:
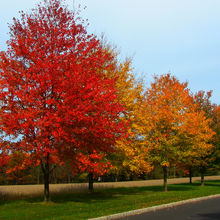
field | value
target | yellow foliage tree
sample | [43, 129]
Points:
[131, 96]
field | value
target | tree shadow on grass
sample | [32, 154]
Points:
[212, 183]
[109, 194]
[181, 187]
[102, 194]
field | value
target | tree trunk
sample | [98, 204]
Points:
[46, 187]
[38, 174]
[91, 188]
[202, 177]
[69, 177]
[190, 175]
[46, 171]
[165, 178]
[174, 172]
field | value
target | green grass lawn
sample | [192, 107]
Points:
[102, 202]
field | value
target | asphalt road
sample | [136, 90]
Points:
[203, 210]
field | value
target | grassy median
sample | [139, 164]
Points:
[102, 202]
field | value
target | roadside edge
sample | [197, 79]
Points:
[154, 208]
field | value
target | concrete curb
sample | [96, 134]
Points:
[154, 208]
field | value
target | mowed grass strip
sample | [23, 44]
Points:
[102, 202]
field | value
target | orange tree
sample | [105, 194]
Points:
[216, 128]
[165, 119]
[197, 135]
[204, 104]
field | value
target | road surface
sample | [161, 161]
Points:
[203, 210]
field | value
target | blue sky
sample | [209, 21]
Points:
[181, 37]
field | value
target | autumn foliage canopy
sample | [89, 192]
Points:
[56, 100]
[66, 98]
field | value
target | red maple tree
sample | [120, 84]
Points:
[56, 100]
[93, 163]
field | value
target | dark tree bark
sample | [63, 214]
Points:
[202, 176]
[69, 177]
[46, 186]
[174, 172]
[91, 180]
[165, 179]
[190, 175]
[46, 172]
[38, 174]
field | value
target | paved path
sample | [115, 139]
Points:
[202, 210]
